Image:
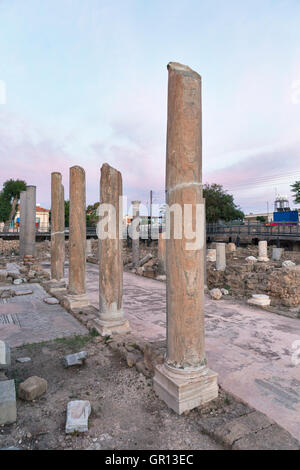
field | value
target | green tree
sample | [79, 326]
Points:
[220, 205]
[296, 190]
[4, 207]
[10, 194]
[261, 218]
[67, 212]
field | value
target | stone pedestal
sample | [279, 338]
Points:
[22, 224]
[89, 247]
[135, 233]
[57, 227]
[184, 381]
[77, 238]
[111, 316]
[220, 256]
[263, 251]
[30, 219]
[277, 254]
[260, 299]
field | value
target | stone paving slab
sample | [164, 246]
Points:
[28, 319]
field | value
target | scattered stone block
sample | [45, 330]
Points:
[78, 412]
[225, 291]
[18, 281]
[77, 359]
[260, 300]
[211, 255]
[32, 388]
[6, 293]
[51, 301]
[23, 360]
[8, 407]
[161, 277]
[216, 294]
[3, 275]
[23, 292]
[288, 264]
[231, 247]
[251, 259]
[5, 360]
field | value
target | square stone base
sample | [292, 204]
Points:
[106, 328]
[76, 301]
[8, 407]
[184, 390]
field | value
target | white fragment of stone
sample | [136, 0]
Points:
[23, 360]
[18, 281]
[76, 359]
[288, 264]
[51, 301]
[8, 407]
[211, 255]
[5, 360]
[216, 294]
[277, 253]
[78, 412]
[23, 292]
[251, 259]
[225, 291]
[260, 300]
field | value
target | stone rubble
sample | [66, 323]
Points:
[77, 359]
[216, 294]
[32, 388]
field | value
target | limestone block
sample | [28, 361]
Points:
[277, 254]
[78, 412]
[3, 275]
[260, 299]
[51, 301]
[77, 359]
[216, 294]
[211, 255]
[225, 291]
[23, 292]
[288, 264]
[231, 247]
[8, 408]
[32, 388]
[251, 259]
[18, 281]
[23, 360]
[5, 360]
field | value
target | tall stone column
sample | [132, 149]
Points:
[77, 239]
[161, 253]
[135, 234]
[22, 223]
[220, 256]
[30, 219]
[184, 380]
[57, 227]
[263, 251]
[111, 316]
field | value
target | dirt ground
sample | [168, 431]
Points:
[126, 414]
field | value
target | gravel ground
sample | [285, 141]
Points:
[126, 414]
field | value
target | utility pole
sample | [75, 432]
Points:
[150, 215]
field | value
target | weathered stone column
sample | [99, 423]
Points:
[211, 255]
[135, 233]
[77, 239]
[57, 227]
[277, 253]
[22, 223]
[161, 254]
[111, 316]
[30, 219]
[184, 381]
[88, 247]
[263, 251]
[220, 256]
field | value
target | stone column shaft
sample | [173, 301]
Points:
[263, 251]
[22, 223]
[77, 231]
[184, 381]
[135, 233]
[30, 220]
[57, 227]
[220, 256]
[111, 316]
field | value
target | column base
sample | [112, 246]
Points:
[263, 259]
[185, 389]
[107, 328]
[76, 301]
